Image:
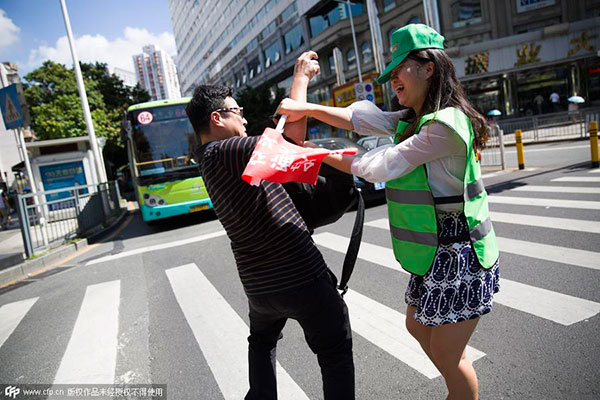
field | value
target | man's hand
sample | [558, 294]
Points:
[294, 110]
[307, 65]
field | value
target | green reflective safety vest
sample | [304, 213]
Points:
[411, 205]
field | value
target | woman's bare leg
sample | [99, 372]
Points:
[419, 331]
[447, 345]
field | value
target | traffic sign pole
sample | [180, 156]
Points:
[33, 187]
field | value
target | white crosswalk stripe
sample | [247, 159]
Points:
[577, 179]
[221, 334]
[577, 225]
[559, 254]
[11, 315]
[553, 307]
[556, 189]
[385, 327]
[564, 255]
[162, 246]
[529, 201]
[91, 354]
[595, 171]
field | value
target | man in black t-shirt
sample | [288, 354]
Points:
[282, 271]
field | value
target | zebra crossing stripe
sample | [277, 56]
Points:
[563, 255]
[11, 315]
[553, 306]
[576, 225]
[557, 189]
[595, 171]
[385, 327]
[91, 354]
[529, 201]
[221, 334]
[577, 179]
[163, 246]
[560, 308]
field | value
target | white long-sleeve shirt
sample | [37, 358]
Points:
[442, 151]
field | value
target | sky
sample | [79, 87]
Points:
[110, 31]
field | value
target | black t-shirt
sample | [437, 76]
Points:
[272, 246]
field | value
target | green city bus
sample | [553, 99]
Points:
[160, 145]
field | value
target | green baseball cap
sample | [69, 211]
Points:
[408, 38]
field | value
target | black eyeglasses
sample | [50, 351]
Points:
[236, 110]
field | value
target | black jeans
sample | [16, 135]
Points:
[323, 315]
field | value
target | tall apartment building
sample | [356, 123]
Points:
[129, 78]
[505, 51]
[157, 73]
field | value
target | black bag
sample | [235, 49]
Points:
[324, 203]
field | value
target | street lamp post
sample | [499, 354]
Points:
[377, 44]
[356, 56]
[83, 97]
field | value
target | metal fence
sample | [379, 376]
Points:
[493, 154]
[50, 218]
[555, 126]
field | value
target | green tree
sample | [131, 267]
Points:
[114, 92]
[259, 104]
[55, 107]
[53, 100]
[117, 98]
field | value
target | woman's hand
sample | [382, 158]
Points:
[295, 110]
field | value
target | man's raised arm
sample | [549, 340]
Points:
[305, 69]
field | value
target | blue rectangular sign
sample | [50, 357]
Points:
[58, 176]
[10, 107]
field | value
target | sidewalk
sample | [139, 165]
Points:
[13, 266]
[11, 245]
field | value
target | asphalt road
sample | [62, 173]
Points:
[548, 155]
[163, 304]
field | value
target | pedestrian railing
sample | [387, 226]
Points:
[50, 218]
[555, 126]
[493, 154]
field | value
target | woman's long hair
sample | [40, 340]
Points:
[445, 90]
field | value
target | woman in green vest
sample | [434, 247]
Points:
[438, 210]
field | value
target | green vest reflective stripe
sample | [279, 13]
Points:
[411, 205]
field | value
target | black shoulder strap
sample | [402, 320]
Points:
[354, 245]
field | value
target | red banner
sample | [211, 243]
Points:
[276, 160]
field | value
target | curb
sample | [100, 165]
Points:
[22, 271]
[12, 275]
[10, 260]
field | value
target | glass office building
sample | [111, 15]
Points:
[505, 51]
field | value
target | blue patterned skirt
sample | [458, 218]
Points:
[456, 288]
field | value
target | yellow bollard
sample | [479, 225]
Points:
[519, 142]
[594, 143]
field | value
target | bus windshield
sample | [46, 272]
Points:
[163, 143]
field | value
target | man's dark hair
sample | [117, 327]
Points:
[206, 99]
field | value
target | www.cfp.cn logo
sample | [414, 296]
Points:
[11, 392]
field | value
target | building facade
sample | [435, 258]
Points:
[129, 78]
[157, 73]
[506, 51]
